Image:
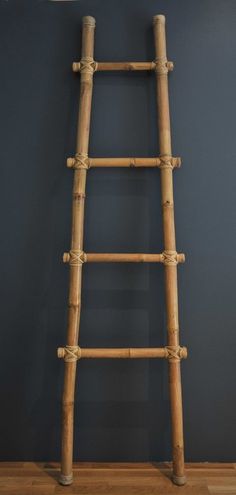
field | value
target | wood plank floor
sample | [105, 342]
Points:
[28, 478]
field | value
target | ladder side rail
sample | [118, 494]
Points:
[171, 289]
[75, 278]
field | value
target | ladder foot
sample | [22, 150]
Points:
[178, 480]
[66, 480]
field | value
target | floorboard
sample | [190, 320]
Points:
[29, 478]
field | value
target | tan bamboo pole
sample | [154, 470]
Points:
[86, 87]
[167, 257]
[127, 66]
[169, 244]
[123, 162]
[122, 353]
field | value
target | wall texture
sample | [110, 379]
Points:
[122, 409]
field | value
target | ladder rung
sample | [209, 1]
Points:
[86, 162]
[72, 353]
[127, 66]
[127, 257]
[76, 258]
[131, 162]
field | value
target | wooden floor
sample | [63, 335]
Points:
[28, 478]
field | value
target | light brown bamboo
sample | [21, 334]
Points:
[127, 66]
[124, 162]
[129, 257]
[86, 86]
[125, 258]
[171, 289]
[123, 353]
[131, 162]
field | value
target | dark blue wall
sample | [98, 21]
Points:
[122, 408]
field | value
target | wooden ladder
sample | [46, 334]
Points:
[76, 257]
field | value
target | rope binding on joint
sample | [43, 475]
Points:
[175, 352]
[70, 353]
[88, 65]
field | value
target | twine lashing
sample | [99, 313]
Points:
[166, 161]
[88, 65]
[174, 353]
[77, 257]
[169, 258]
[72, 353]
[81, 161]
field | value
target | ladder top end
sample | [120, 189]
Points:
[159, 18]
[89, 21]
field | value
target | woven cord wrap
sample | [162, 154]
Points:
[77, 257]
[81, 161]
[174, 352]
[72, 353]
[162, 65]
[169, 258]
[88, 65]
[166, 161]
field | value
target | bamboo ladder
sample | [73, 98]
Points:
[76, 257]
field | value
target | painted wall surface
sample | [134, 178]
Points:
[122, 407]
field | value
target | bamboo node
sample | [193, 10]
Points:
[168, 204]
[132, 162]
[175, 352]
[178, 480]
[66, 257]
[181, 258]
[159, 18]
[76, 66]
[170, 65]
[78, 195]
[176, 162]
[70, 162]
[66, 480]
[163, 66]
[88, 20]
[88, 65]
[70, 353]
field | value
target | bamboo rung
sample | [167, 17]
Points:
[126, 66]
[159, 162]
[77, 257]
[73, 353]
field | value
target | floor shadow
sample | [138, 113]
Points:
[52, 469]
[165, 468]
